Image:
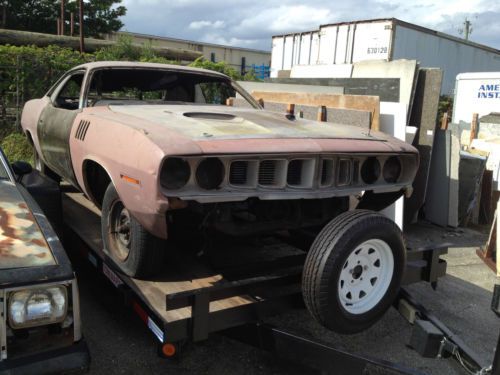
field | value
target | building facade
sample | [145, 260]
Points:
[241, 59]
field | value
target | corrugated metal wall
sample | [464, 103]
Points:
[435, 51]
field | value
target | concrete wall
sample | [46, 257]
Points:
[232, 55]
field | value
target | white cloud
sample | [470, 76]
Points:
[252, 24]
[287, 18]
[196, 25]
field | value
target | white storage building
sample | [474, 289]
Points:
[336, 46]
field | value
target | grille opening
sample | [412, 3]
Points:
[344, 172]
[294, 174]
[355, 172]
[267, 172]
[238, 173]
[326, 172]
[370, 170]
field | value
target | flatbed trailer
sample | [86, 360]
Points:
[200, 294]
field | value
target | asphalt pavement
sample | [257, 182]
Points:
[120, 343]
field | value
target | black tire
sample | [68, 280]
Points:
[344, 240]
[42, 168]
[134, 250]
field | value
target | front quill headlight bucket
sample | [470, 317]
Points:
[37, 307]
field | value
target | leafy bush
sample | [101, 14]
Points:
[27, 72]
[16, 147]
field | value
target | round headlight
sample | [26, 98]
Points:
[175, 173]
[370, 170]
[392, 169]
[210, 173]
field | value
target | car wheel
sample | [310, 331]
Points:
[42, 168]
[353, 271]
[137, 252]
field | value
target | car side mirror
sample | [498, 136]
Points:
[21, 168]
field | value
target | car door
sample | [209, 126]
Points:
[55, 123]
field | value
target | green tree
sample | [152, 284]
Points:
[100, 16]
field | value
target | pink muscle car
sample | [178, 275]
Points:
[157, 150]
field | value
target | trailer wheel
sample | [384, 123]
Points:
[137, 252]
[353, 271]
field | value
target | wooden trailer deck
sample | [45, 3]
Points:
[183, 272]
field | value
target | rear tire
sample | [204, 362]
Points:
[137, 252]
[353, 271]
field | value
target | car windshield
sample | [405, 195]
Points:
[121, 86]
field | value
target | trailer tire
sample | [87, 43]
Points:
[133, 249]
[353, 271]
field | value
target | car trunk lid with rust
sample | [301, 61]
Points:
[22, 243]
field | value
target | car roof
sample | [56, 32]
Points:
[135, 64]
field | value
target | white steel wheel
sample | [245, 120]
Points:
[353, 271]
[366, 276]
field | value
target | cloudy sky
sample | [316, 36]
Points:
[251, 24]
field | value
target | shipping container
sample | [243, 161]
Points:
[383, 39]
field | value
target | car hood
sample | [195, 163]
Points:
[205, 122]
[22, 243]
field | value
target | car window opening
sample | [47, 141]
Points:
[154, 86]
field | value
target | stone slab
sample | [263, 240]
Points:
[470, 175]
[393, 122]
[387, 89]
[250, 86]
[322, 71]
[424, 117]
[405, 70]
[441, 203]
[437, 203]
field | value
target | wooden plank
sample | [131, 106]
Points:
[473, 127]
[360, 102]
[182, 272]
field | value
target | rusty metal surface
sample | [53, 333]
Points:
[22, 244]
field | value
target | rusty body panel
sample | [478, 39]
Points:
[22, 243]
[130, 142]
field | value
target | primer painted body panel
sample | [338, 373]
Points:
[134, 140]
[22, 243]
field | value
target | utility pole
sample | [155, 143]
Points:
[62, 17]
[80, 11]
[467, 29]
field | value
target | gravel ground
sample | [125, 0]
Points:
[120, 344]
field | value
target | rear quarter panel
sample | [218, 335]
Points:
[30, 116]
